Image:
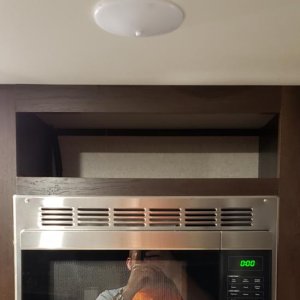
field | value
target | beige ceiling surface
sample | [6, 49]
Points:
[220, 42]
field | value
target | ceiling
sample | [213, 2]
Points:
[220, 42]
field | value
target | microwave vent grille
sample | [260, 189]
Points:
[93, 217]
[129, 217]
[198, 217]
[56, 216]
[164, 217]
[181, 218]
[238, 216]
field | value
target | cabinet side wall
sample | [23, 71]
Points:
[7, 189]
[289, 192]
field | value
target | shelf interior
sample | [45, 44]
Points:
[154, 146]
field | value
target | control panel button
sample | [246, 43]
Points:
[258, 294]
[246, 280]
[257, 287]
[258, 280]
[233, 287]
[234, 294]
[234, 279]
[245, 287]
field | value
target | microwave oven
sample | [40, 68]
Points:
[166, 248]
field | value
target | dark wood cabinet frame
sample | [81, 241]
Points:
[285, 157]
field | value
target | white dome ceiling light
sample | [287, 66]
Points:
[138, 18]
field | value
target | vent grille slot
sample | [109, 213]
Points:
[147, 218]
[93, 217]
[198, 217]
[51, 216]
[239, 216]
[166, 217]
[129, 217]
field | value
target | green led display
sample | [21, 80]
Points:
[247, 263]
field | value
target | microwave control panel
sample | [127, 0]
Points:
[246, 275]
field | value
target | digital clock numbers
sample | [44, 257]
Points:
[247, 263]
[244, 263]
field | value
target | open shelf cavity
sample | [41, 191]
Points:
[154, 146]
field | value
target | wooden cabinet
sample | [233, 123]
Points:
[33, 119]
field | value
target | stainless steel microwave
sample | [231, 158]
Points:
[158, 248]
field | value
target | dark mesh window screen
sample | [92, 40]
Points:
[85, 279]
[84, 275]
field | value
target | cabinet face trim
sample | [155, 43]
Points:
[148, 99]
[7, 189]
[144, 187]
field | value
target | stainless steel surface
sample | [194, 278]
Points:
[48, 222]
[145, 213]
[250, 240]
[93, 240]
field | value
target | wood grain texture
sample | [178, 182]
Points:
[160, 99]
[289, 192]
[7, 185]
[148, 99]
[144, 187]
[268, 150]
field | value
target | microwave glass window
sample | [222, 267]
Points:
[102, 275]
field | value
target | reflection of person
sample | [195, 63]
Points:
[149, 278]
